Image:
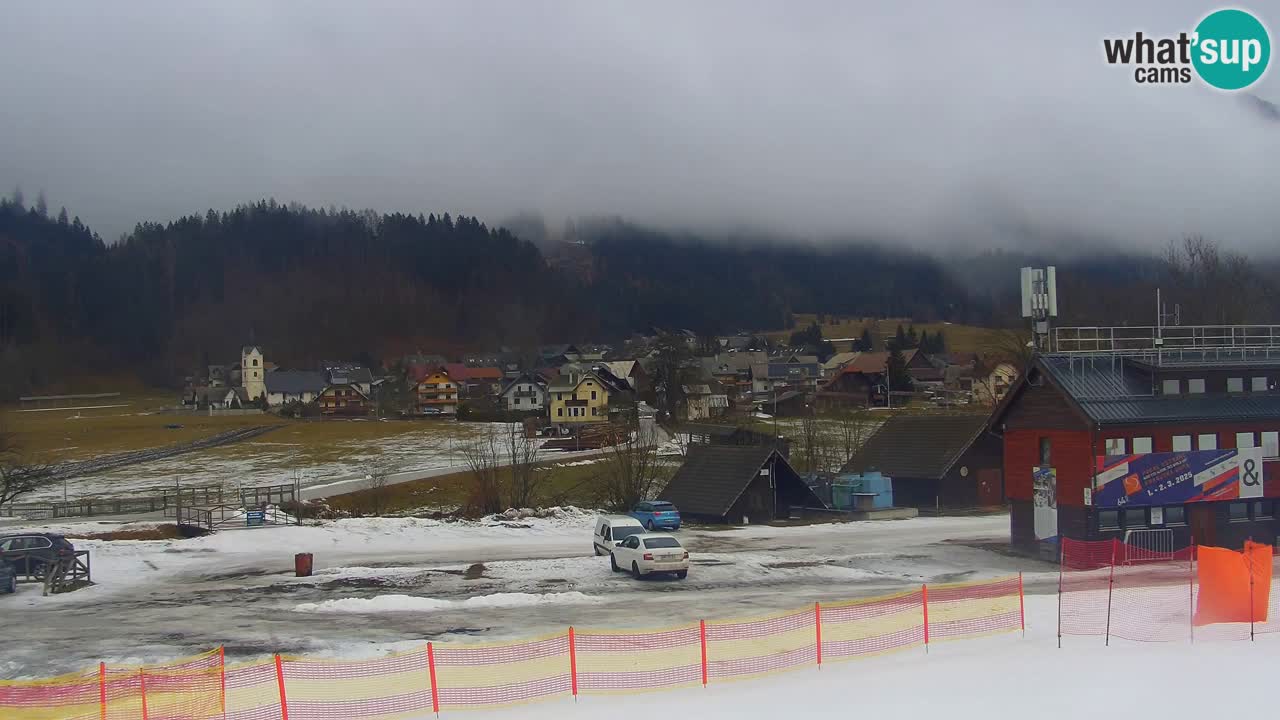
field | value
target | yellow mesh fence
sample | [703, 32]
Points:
[443, 678]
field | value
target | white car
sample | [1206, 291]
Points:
[611, 530]
[649, 553]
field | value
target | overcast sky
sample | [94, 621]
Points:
[940, 122]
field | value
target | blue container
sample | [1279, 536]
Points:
[849, 489]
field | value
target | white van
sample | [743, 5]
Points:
[611, 530]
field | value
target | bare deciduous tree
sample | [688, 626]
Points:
[525, 479]
[19, 477]
[483, 459]
[632, 470]
[853, 427]
[379, 495]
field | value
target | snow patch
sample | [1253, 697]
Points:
[410, 603]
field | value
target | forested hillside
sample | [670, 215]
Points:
[327, 283]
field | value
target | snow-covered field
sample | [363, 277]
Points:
[1000, 677]
[383, 584]
[280, 455]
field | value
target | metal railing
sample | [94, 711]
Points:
[1174, 344]
[1154, 545]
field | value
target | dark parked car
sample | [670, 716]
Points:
[31, 553]
[8, 578]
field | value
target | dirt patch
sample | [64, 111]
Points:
[159, 532]
[793, 564]
[475, 572]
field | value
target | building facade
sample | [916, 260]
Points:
[436, 394]
[525, 393]
[253, 372]
[1158, 445]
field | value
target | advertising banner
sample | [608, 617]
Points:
[1177, 478]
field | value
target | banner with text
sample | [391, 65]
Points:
[1178, 477]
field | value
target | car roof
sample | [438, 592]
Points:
[51, 536]
[621, 520]
[649, 536]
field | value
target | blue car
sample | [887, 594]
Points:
[657, 515]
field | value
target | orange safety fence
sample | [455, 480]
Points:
[441, 678]
[1110, 589]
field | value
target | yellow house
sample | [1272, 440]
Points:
[579, 399]
[437, 394]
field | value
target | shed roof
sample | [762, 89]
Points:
[713, 477]
[918, 446]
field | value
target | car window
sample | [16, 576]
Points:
[38, 543]
[626, 531]
[604, 533]
[633, 542]
[661, 542]
[664, 506]
[6, 544]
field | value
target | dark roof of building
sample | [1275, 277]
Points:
[294, 382]
[876, 362]
[527, 377]
[349, 375]
[1120, 391]
[713, 477]
[918, 446]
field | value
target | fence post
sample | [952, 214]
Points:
[702, 633]
[1062, 555]
[142, 686]
[817, 625]
[1191, 591]
[573, 664]
[284, 701]
[435, 693]
[1022, 607]
[222, 676]
[1248, 553]
[924, 600]
[1110, 584]
[102, 689]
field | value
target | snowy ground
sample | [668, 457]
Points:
[999, 677]
[383, 584]
[278, 456]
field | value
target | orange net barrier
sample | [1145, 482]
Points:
[440, 678]
[1111, 589]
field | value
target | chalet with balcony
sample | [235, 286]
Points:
[436, 394]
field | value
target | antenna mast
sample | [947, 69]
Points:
[1040, 302]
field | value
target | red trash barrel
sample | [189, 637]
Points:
[302, 564]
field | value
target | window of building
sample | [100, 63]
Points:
[1108, 519]
[593, 394]
[1171, 387]
[1046, 451]
[1208, 441]
[1245, 440]
[1235, 385]
[1238, 511]
[1141, 446]
[1115, 446]
[255, 362]
[1134, 517]
[1270, 444]
[1263, 509]
[1175, 515]
[1259, 384]
[516, 401]
[1181, 443]
[1195, 385]
[559, 412]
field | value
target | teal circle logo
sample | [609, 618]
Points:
[1232, 49]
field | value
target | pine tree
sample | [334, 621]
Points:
[899, 339]
[896, 367]
[912, 340]
[864, 343]
[62, 216]
[42, 206]
[939, 343]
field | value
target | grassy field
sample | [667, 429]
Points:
[62, 434]
[960, 338]
[563, 484]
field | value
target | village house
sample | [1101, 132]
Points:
[836, 363]
[796, 372]
[527, 392]
[287, 386]
[343, 400]
[990, 387]
[738, 484]
[475, 382]
[436, 394]
[862, 381]
[352, 374]
[585, 398]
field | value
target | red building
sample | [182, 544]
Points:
[1162, 445]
